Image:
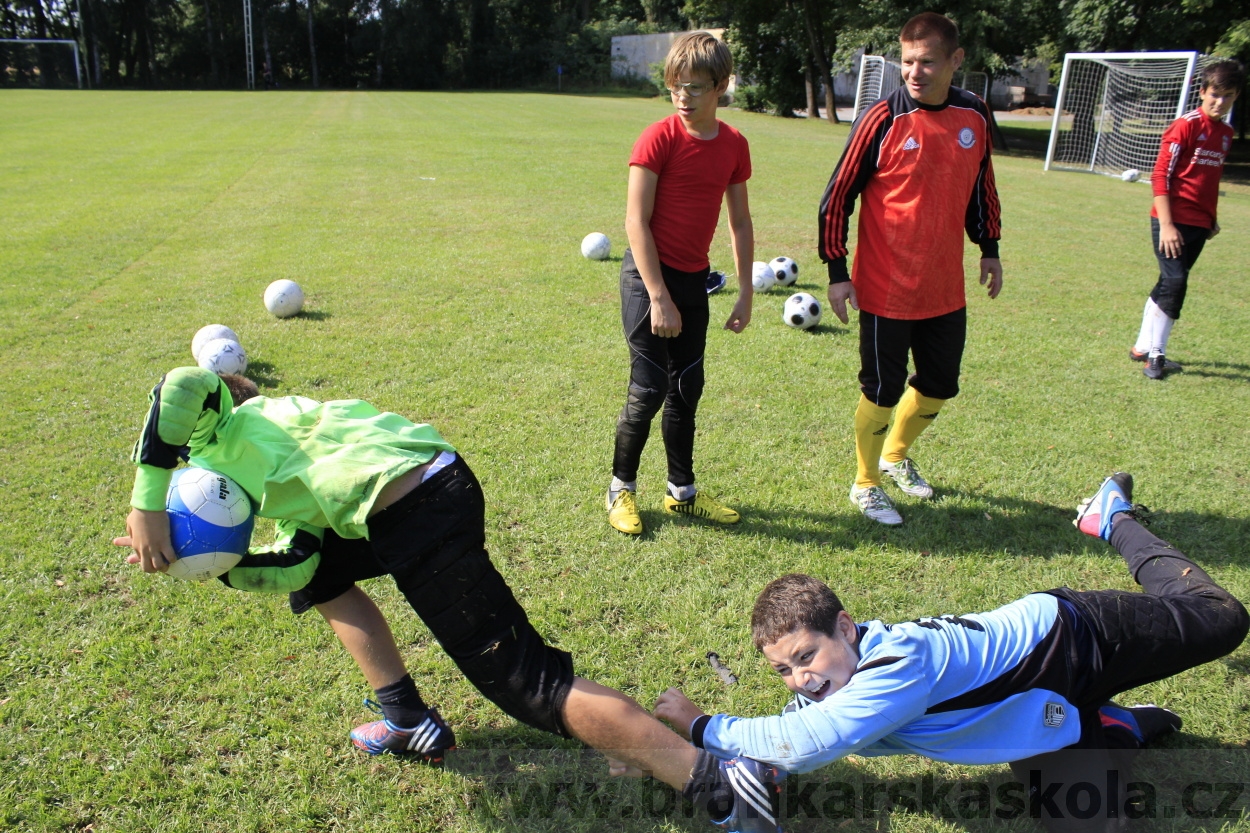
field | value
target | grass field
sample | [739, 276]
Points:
[436, 236]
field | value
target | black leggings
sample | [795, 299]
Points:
[936, 346]
[432, 542]
[662, 371]
[1169, 291]
[1183, 620]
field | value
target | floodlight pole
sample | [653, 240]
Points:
[249, 59]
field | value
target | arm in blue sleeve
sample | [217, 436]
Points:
[874, 704]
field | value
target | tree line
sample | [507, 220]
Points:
[787, 48]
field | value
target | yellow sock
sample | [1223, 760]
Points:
[871, 423]
[915, 413]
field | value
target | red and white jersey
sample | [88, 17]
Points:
[925, 177]
[1191, 160]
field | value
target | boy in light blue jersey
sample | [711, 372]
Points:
[1024, 684]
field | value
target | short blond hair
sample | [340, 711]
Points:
[698, 52]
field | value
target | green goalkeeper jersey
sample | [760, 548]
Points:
[310, 465]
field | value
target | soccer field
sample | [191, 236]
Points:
[436, 237]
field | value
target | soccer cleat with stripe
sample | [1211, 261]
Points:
[1137, 725]
[1115, 495]
[428, 740]
[907, 477]
[1168, 365]
[701, 506]
[756, 796]
[876, 505]
[623, 512]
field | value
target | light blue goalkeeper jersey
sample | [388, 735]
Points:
[981, 688]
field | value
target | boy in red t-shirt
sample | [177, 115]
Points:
[680, 169]
[1186, 183]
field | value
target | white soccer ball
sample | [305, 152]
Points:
[802, 311]
[206, 334]
[284, 298]
[210, 523]
[763, 278]
[596, 246]
[1131, 175]
[786, 270]
[223, 355]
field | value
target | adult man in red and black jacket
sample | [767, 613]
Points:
[920, 160]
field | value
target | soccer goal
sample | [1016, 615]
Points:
[1112, 108]
[38, 62]
[879, 76]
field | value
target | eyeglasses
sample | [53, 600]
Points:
[692, 90]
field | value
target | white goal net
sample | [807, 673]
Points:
[1112, 108]
[42, 62]
[879, 76]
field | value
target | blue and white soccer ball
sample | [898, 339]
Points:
[596, 246]
[802, 311]
[223, 355]
[210, 522]
[786, 270]
[763, 278]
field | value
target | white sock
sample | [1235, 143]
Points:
[1147, 326]
[617, 484]
[1162, 331]
[682, 492]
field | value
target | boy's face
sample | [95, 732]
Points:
[1217, 101]
[696, 110]
[928, 70]
[816, 664]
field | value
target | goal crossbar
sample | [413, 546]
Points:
[37, 41]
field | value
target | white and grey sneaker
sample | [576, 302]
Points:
[907, 477]
[876, 504]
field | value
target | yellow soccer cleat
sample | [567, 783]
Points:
[623, 513]
[701, 506]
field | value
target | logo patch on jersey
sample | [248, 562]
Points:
[911, 144]
[1202, 137]
[1055, 714]
[967, 138]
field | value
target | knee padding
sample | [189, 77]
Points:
[644, 401]
[690, 384]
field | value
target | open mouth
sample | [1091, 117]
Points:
[818, 693]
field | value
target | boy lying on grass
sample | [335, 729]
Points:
[1028, 684]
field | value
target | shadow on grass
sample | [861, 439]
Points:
[1218, 370]
[314, 315]
[968, 522]
[263, 374]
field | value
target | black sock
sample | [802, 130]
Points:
[706, 789]
[401, 704]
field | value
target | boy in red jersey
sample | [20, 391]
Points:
[920, 158]
[679, 171]
[1186, 184]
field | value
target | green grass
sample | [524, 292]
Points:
[436, 236]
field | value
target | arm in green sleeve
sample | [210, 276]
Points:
[285, 566]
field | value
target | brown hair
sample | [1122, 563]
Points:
[792, 603]
[1224, 74]
[241, 388]
[931, 25]
[698, 52]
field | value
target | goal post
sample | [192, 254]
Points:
[14, 66]
[1112, 108]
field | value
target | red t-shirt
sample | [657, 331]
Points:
[693, 175]
[1191, 159]
[925, 177]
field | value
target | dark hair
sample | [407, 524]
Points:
[931, 25]
[791, 603]
[1225, 74]
[241, 388]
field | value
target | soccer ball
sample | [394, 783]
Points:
[1131, 175]
[210, 522]
[284, 298]
[206, 334]
[763, 278]
[223, 355]
[787, 270]
[596, 246]
[802, 311]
